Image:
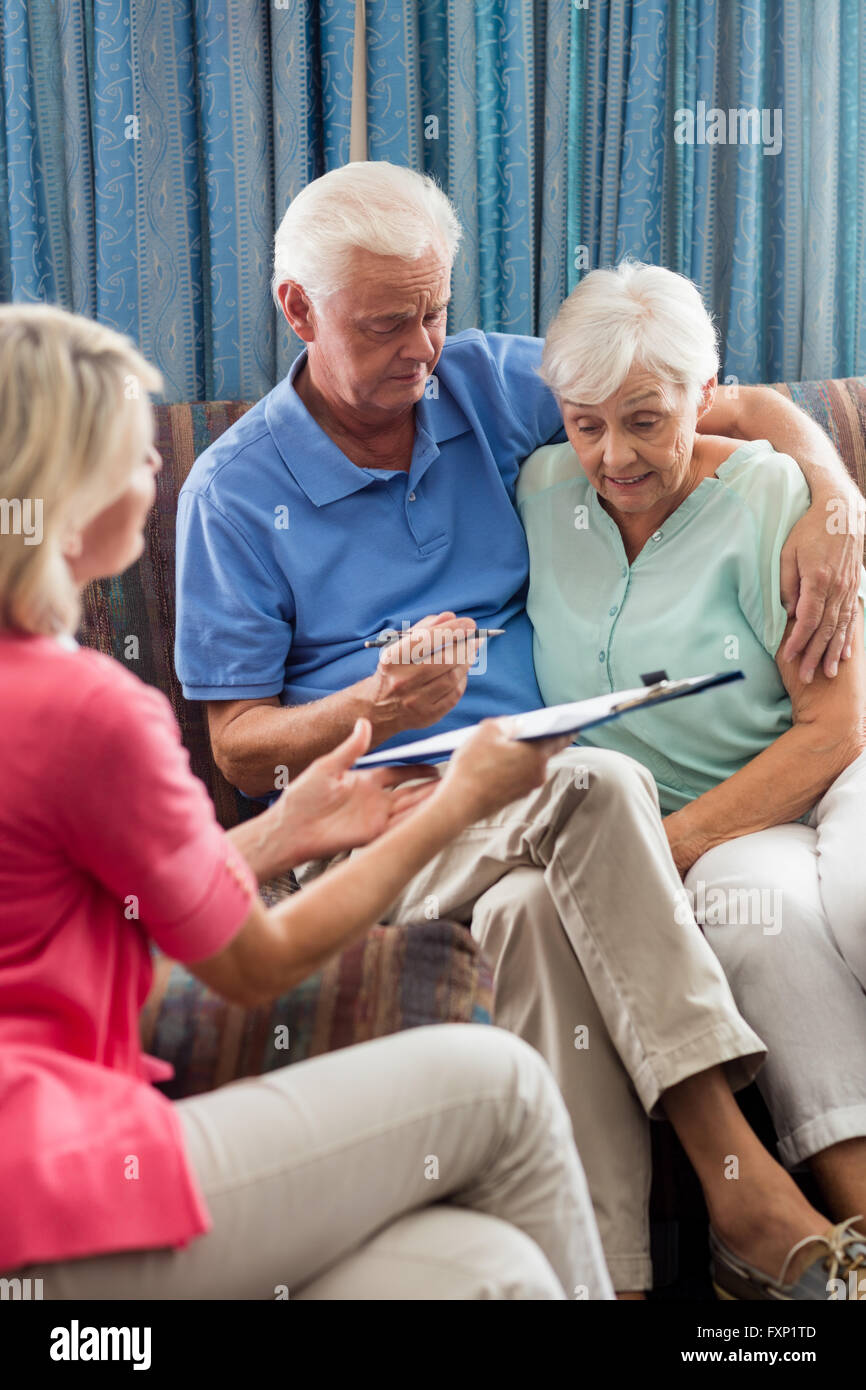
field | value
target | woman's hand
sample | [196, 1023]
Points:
[330, 807]
[274, 951]
[684, 840]
[493, 769]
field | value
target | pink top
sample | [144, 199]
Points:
[106, 840]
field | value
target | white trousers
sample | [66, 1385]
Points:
[433, 1164]
[785, 912]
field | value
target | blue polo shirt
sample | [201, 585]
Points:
[289, 556]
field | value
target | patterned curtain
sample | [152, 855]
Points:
[148, 150]
[553, 126]
[775, 239]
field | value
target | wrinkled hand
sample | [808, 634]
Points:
[820, 578]
[493, 769]
[332, 808]
[421, 677]
[686, 846]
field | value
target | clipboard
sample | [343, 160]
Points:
[554, 720]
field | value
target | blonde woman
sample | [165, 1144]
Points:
[312, 1178]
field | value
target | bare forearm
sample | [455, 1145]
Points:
[766, 414]
[337, 908]
[776, 787]
[265, 744]
[261, 845]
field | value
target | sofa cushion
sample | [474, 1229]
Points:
[394, 978]
[839, 407]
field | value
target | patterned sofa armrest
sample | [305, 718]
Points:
[394, 978]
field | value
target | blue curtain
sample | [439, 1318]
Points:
[777, 241]
[148, 150]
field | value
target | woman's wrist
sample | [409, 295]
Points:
[265, 844]
[686, 841]
[449, 808]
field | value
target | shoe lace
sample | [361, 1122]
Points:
[838, 1240]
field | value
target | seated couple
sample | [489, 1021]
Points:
[401, 500]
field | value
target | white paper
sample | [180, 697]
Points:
[547, 722]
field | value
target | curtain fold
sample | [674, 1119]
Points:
[148, 151]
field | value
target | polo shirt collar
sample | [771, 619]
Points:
[313, 459]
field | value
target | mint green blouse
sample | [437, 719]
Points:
[703, 595]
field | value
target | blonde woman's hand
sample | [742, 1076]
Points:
[332, 807]
[493, 769]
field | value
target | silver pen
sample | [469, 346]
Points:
[387, 639]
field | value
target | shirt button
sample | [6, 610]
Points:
[601, 656]
[624, 571]
[657, 535]
[612, 610]
[411, 497]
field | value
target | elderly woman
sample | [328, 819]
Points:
[655, 547]
[313, 1179]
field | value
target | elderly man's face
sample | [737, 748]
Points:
[376, 341]
[636, 447]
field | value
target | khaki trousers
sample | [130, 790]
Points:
[575, 898]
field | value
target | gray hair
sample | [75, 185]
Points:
[634, 314]
[373, 205]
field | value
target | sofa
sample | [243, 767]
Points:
[396, 977]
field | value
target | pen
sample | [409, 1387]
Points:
[388, 638]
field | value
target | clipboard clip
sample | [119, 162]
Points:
[655, 683]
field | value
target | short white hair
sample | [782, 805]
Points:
[633, 315]
[373, 205]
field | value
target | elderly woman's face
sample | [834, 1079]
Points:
[378, 340]
[636, 447]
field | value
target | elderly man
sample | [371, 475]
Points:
[374, 488]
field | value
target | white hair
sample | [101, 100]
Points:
[374, 205]
[633, 315]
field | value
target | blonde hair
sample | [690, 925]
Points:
[374, 205]
[65, 386]
[635, 314]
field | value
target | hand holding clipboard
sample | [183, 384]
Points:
[554, 720]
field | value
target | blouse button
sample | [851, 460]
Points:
[411, 497]
[601, 656]
[657, 535]
[612, 610]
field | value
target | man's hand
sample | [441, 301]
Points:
[332, 808]
[421, 677]
[820, 580]
[820, 569]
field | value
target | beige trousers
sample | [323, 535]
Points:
[575, 898]
[433, 1164]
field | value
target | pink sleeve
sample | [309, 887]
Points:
[132, 815]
